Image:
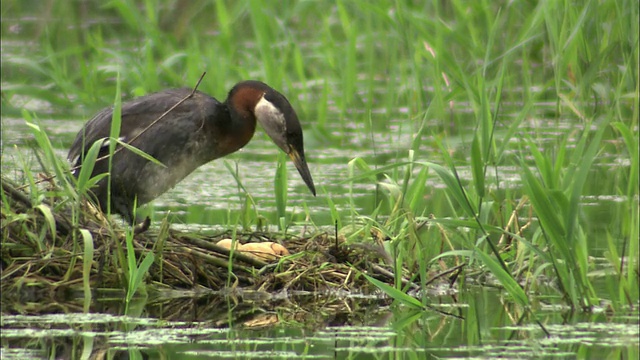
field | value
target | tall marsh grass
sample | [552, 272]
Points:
[474, 78]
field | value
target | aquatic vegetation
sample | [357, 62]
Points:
[468, 142]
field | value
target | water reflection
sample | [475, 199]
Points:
[316, 326]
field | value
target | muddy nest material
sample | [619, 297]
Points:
[43, 250]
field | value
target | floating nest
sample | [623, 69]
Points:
[44, 246]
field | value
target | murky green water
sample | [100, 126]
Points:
[322, 326]
[347, 328]
[325, 327]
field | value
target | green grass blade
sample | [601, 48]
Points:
[87, 262]
[114, 134]
[541, 200]
[280, 189]
[454, 188]
[88, 164]
[631, 143]
[477, 166]
[505, 279]
[139, 152]
[142, 270]
[50, 219]
[395, 293]
[416, 192]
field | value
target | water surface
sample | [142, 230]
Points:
[377, 129]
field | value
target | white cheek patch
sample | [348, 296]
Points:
[273, 122]
[267, 113]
